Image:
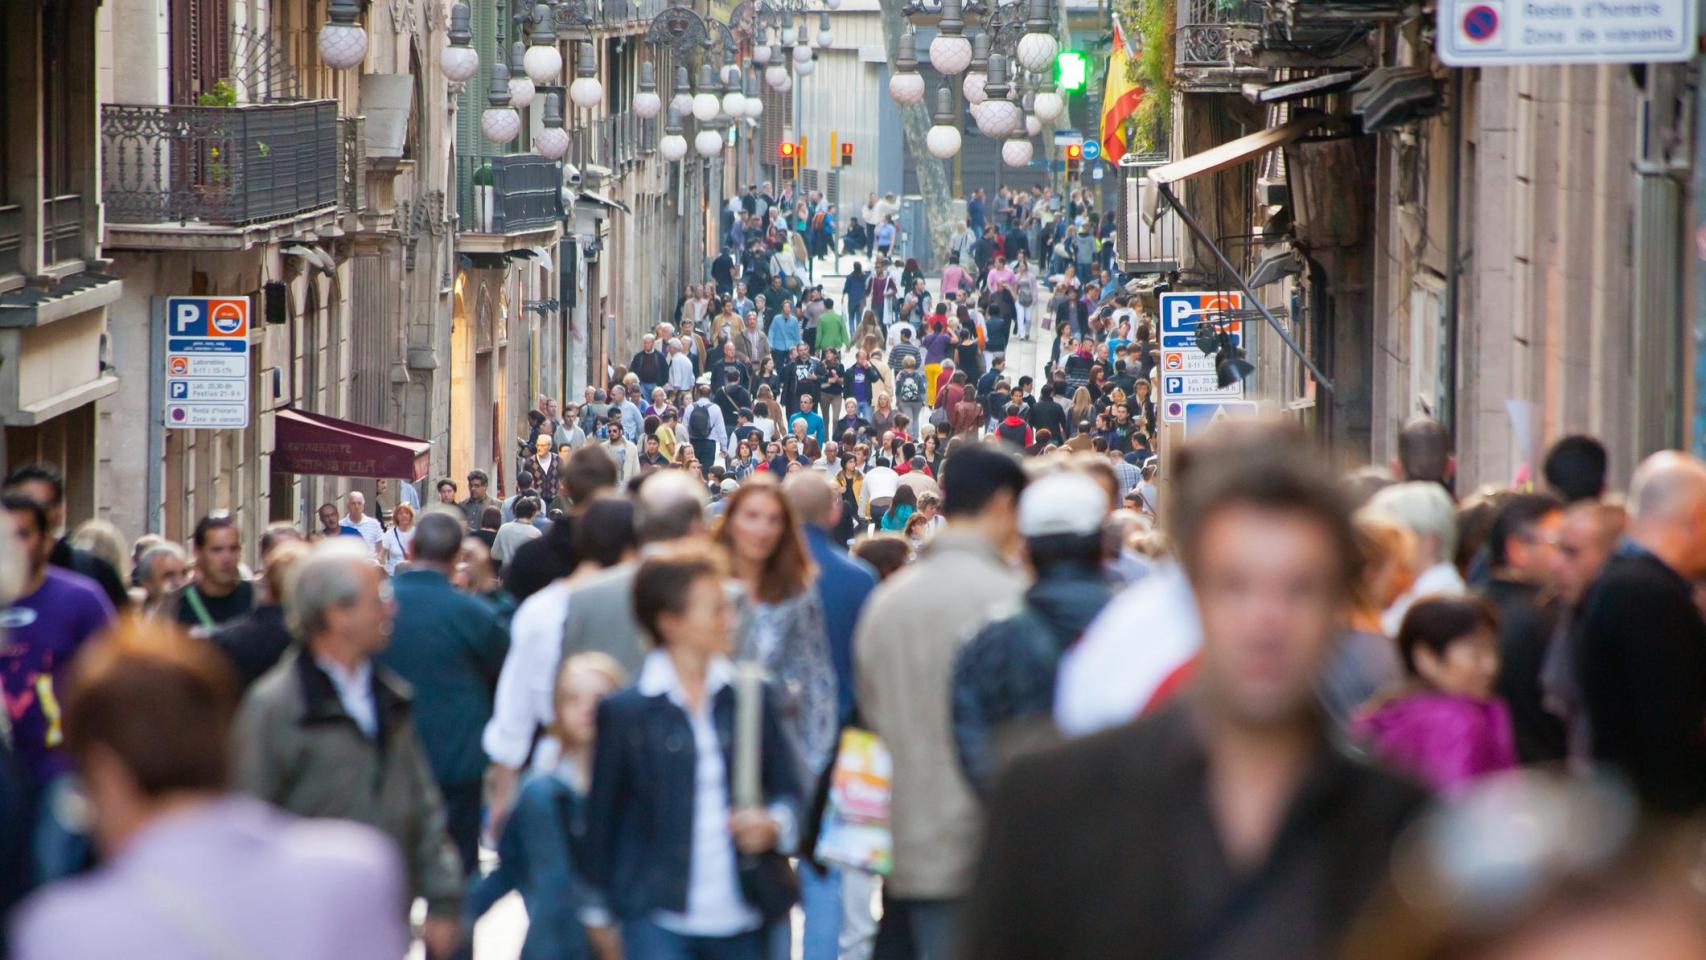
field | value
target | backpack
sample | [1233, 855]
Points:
[1027, 293]
[699, 421]
[909, 389]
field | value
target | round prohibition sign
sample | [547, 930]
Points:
[1480, 22]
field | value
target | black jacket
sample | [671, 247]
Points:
[1049, 415]
[639, 843]
[1105, 848]
[541, 560]
[255, 642]
[67, 557]
[1525, 634]
[1642, 662]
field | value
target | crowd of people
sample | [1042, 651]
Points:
[1336, 712]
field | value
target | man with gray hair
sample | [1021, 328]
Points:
[1425, 509]
[680, 367]
[160, 574]
[1642, 643]
[327, 733]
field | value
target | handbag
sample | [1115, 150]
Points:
[853, 831]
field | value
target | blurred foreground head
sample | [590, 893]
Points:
[1537, 866]
[1264, 533]
[147, 718]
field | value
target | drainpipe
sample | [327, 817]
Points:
[1453, 241]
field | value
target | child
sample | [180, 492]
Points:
[564, 918]
[1444, 726]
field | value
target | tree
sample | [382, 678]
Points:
[915, 122]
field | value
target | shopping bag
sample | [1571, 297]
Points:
[855, 827]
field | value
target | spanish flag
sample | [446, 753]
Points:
[1120, 98]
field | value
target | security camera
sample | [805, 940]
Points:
[571, 174]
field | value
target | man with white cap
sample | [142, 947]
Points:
[1004, 677]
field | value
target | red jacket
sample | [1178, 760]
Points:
[1016, 431]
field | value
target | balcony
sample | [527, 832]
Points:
[616, 14]
[1216, 42]
[510, 202]
[615, 142]
[185, 177]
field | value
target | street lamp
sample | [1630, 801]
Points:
[978, 76]
[705, 102]
[950, 52]
[343, 42]
[1016, 149]
[906, 84]
[553, 141]
[1037, 48]
[647, 103]
[673, 146]
[460, 61]
[824, 37]
[761, 46]
[943, 140]
[806, 67]
[682, 101]
[500, 123]
[586, 91]
[520, 84]
[1048, 104]
[999, 116]
[543, 62]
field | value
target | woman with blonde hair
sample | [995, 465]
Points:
[1367, 660]
[103, 540]
[394, 544]
[1083, 408]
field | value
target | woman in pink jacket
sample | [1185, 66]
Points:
[1444, 726]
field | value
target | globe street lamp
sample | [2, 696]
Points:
[647, 103]
[343, 42]
[943, 140]
[673, 146]
[950, 51]
[459, 61]
[553, 141]
[586, 91]
[1038, 47]
[906, 84]
[500, 123]
[543, 62]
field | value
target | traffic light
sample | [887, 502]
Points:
[1071, 70]
[789, 160]
[1074, 159]
[846, 154]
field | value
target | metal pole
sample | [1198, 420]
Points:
[1166, 191]
[156, 411]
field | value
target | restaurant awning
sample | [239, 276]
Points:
[326, 446]
[1228, 154]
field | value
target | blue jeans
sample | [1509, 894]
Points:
[645, 940]
[820, 901]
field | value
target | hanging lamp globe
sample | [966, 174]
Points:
[521, 87]
[673, 146]
[586, 91]
[499, 123]
[459, 61]
[943, 139]
[682, 101]
[647, 103]
[1038, 47]
[553, 141]
[1016, 151]
[708, 143]
[776, 76]
[543, 61]
[342, 41]
[1048, 104]
[950, 51]
[706, 103]
[906, 84]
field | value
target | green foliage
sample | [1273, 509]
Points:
[222, 94]
[1153, 69]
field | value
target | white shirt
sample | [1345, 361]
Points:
[680, 372]
[394, 547]
[1441, 579]
[355, 692]
[510, 538]
[715, 907]
[1110, 676]
[522, 705]
[368, 525]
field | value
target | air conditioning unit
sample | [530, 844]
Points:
[1144, 247]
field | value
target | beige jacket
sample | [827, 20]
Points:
[911, 631]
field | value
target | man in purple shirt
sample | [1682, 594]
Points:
[192, 870]
[39, 634]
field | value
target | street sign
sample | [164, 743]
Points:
[1092, 148]
[207, 363]
[1180, 313]
[1483, 33]
[1200, 415]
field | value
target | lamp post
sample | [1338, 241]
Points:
[343, 41]
[459, 61]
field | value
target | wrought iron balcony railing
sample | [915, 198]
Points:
[1211, 33]
[11, 240]
[219, 165]
[513, 194]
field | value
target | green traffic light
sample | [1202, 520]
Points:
[1071, 70]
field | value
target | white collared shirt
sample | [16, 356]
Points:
[715, 906]
[355, 691]
[369, 526]
[1441, 579]
[527, 681]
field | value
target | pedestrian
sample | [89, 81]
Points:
[513, 534]
[394, 543]
[256, 641]
[1003, 679]
[1147, 840]
[186, 863]
[1575, 468]
[160, 573]
[537, 844]
[360, 758]
[1445, 726]
[1586, 541]
[218, 593]
[706, 430]
[685, 871]
[474, 507]
[537, 563]
[1366, 660]
[1641, 641]
[1520, 547]
[43, 483]
[1424, 507]
[904, 649]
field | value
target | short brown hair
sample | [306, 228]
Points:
[662, 581]
[160, 700]
[1267, 464]
[588, 471]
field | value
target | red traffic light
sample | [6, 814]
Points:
[788, 149]
[847, 149]
[1074, 151]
